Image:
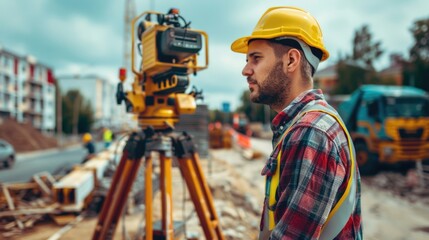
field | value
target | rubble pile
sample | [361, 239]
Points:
[237, 189]
[22, 205]
[46, 199]
[405, 186]
[24, 137]
[237, 202]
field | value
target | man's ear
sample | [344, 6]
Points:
[291, 60]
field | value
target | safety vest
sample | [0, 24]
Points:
[107, 135]
[342, 211]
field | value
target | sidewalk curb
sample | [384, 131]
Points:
[26, 155]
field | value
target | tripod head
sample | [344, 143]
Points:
[169, 51]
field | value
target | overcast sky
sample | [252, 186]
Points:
[82, 36]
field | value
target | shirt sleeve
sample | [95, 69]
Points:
[311, 174]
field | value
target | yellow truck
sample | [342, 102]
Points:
[388, 124]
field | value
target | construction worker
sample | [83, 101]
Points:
[89, 146]
[312, 180]
[107, 137]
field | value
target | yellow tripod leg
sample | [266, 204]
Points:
[148, 197]
[201, 196]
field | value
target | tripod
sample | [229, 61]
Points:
[167, 145]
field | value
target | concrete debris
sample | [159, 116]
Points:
[405, 186]
[237, 188]
[58, 199]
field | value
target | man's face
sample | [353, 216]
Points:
[268, 84]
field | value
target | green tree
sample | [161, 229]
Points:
[364, 48]
[417, 73]
[357, 69]
[350, 77]
[216, 116]
[86, 117]
[420, 50]
[254, 112]
[246, 104]
[74, 105]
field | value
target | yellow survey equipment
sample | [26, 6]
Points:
[169, 52]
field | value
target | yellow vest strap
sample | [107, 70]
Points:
[341, 212]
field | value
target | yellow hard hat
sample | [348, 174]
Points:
[285, 22]
[86, 137]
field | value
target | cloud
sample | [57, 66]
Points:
[109, 73]
[222, 81]
[87, 35]
[56, 38]
[83, 40]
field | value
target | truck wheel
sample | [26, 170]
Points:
[367, 161]
[9, 162]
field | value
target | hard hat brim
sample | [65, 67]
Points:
[241, 45]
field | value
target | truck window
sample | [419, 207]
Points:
[406, 107]
[373, 109]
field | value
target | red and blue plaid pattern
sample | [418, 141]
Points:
[314, 168]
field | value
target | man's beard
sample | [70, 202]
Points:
[274, 89]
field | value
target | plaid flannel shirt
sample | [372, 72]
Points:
[314, 170]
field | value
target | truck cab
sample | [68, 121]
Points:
[388, 124]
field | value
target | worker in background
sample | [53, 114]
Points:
[312, 179]
[89, 146]
[107, 137]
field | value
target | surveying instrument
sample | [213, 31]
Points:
[169, 51]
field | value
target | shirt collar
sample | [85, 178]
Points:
[283, 118]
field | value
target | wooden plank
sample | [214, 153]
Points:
[21, 186]
[29, 212]
[42, 185]
[8, 226]
[30, 222]
[11, 233]
[11, 205]
[49, 210]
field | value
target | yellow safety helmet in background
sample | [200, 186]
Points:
[86, 137]
[285, 22]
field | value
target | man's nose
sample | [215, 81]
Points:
[247, 71]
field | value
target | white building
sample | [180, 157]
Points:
[27, 91]
[101, 94]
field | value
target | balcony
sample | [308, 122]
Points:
[34, 95]
[33, 112]
[34, 82]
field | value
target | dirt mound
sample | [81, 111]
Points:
[25, 137]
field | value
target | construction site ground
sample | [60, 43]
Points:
[393, 206]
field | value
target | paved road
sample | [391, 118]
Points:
[52, 161]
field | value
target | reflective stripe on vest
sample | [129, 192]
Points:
[342, 211]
